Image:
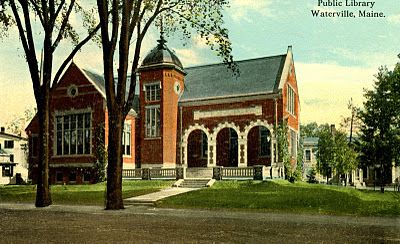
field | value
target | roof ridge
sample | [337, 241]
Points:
[239, 61]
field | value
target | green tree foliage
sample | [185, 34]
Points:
[345, 156]
[312, 176]
[298, 173]
[309, 130]
[100, 153]
[283, 148]
[325, 154]
[126, 27]
[334, 153]
[43, 25]
[379, 142]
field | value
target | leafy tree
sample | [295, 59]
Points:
[45, 24]
[379, 142]
[351, 122]
[345, 157]
[283, 148]
[335, 153]
[298, 173]
[309, 130]
[17, 125]
[325, 154]
[312, 176]
[126, 27]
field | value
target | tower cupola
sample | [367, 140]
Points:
[161, 57]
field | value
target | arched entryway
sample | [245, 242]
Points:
[197, 149]
[259, 146]
[227, 148]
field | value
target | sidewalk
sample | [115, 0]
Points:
[155, 196]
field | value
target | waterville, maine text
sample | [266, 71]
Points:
[365, 9]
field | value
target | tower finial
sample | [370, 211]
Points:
[162, 41]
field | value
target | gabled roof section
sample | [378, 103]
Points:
[286, 68]
[99, 83]
[11, 136]
[257, 76]
[311, 141]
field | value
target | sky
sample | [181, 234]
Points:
[335, 57]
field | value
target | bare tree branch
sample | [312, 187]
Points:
[139, 40]
[135, 18]
[63, 25]
[52, 11]
[59, 8]
[73, 53]
[38, 11]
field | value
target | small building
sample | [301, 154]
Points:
[310, 147]
[13, 158]
[197, 117]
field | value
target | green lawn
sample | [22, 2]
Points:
[79, 194]
[283, 196]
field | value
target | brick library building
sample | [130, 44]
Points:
[196, 117]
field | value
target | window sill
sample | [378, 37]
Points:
[153, 138]
[72, 156]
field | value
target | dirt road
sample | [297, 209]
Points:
[138, 224]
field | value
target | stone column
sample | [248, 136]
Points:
[146, 174]
[184, 156]
[180, 172]
[258, 172]
[217, 173]
[213, 153]
[242, 153]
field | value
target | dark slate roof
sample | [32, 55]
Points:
[97, 79]
[261, 75]
[310, 140]
[99, 82]
[161, 55]
[8, 135]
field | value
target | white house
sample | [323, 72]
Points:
[13, 160]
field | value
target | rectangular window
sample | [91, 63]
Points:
[204, 145]
[9, 144]
[7, 171]
[33, 144]
[73, 134]
[59, 176]
[290, 100]
[11, 158]
[86, 176]
[293, 143]
[126, 139]
[308, 155]
[152, 92]
[153, 121]
[72, 176]
[265, 142]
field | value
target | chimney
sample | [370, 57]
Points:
[3, 130]
[333, 129]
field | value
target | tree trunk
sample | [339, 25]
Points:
[382, 179]
[114, 199]
[43, 196]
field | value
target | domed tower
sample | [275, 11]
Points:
[161, 84]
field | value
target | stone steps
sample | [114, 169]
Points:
[199, 173]
[194, 183]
